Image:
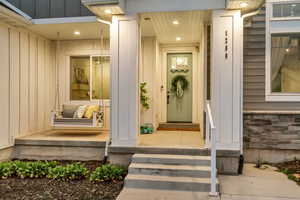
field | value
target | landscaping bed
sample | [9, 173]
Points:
[291, 169]
[66, 180]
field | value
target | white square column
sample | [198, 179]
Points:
[125, 40]
[226, 79]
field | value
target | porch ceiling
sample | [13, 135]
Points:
[252, 5]
[88, 30]
[161, 25]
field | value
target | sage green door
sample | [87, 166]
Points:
[179, 87]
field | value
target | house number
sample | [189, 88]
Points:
[226, 45]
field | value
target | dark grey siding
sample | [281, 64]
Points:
[42, 8]
[52, 8]
[254, 70]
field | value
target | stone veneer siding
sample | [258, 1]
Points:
[272, 131]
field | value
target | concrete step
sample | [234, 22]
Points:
[171, 159]
[168, 183]
[152, 194]
[170, 170]
[196, 151]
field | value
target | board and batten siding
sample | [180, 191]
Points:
[149, 74]
[27, 82]
[79, 48]
[254, 70]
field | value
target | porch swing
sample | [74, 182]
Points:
[58, 117]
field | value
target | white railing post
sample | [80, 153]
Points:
[211, 141]
[207, 130]
[213, 191]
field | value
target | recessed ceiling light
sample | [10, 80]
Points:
[244, 4]
[175, 22]
[108, 11]
[178, 38]
[76, 33]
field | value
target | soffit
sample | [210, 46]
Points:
[88, 30]
[252, 5]
[161, 25]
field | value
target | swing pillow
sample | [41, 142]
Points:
[69, 110]
[89, 111]
[80, 112]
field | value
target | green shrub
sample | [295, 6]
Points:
[6, 170]
[36, 169]
[107, 173]
[74, 171]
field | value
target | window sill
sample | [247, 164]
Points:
[283, 98]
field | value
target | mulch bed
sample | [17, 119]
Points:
[44, 189]
[291, 168]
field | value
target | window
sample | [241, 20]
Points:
[286, 10]
[89, 78]
[101, 69]
[283, 51]
[285, 63]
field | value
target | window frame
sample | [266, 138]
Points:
[91, 101]
[269, 95]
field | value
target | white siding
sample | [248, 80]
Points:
[4, 86]
[148, 75]
[25, 77]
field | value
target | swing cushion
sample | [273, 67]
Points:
[69, 110]
[73, 121]
[89, 111]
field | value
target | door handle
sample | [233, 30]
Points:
[168, 97]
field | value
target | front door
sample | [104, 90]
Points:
[179, 85]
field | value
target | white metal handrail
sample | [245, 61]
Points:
[211, 143]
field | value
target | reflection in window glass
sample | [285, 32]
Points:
[286, 10]
[80, 78]
[285, 63]
[100, 80]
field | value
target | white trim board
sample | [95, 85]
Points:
[64, 20]
[278, 25]
[15, 9]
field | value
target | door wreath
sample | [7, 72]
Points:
[178, 85]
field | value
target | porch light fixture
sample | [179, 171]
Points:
[178, 38]
[76, 33]
[108, 11]
[175, 22]
[244, 4]
[105, 9]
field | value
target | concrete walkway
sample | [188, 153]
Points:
[254, 184]
[259, 184]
